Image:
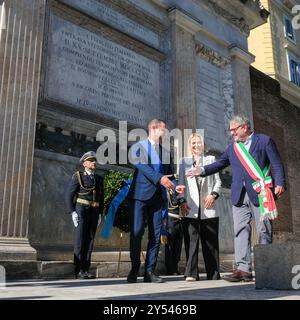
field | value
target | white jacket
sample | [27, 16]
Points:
[208, 184]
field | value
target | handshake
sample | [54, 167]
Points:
[193, 172]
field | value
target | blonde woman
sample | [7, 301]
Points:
[200, 219]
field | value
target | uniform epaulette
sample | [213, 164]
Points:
[74, 175]
[79, 179]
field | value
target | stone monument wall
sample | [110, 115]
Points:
[215, 107]
[100, 65]
[105, 61]
[278, 118]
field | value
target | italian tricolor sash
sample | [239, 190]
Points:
[262, 184]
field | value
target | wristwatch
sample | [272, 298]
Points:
[215, 195]
[180, 201]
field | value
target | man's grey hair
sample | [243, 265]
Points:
[241, 120]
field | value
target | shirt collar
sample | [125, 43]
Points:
[152, 141]
[249, 139]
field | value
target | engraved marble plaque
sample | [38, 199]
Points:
[212, 105]
[89, 72]
[115, 19]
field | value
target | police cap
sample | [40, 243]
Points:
[88, 156]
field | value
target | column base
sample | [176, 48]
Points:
[12, 249]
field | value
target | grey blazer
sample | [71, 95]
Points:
[208, 184]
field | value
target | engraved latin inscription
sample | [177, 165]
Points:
[87, 71]
[211, 108]
[115, 19]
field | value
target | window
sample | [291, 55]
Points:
[288, 30]
[294, 67]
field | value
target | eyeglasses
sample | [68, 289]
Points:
[235, 129]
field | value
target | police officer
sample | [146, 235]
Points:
[173, 245]
[84, 199]
[175, 232]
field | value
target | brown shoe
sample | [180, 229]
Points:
[239, 275]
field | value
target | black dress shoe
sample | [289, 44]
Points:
[238, 276]
[151, 277]
[215, 276]
[177, 273]
[132, 277]
[82, 275]
[173, 273]
[89, 275]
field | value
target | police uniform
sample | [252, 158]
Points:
[85, 196]
[173, 246]
[175, 235]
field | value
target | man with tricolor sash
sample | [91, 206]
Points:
[257, 179]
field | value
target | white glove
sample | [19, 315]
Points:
[99, 220]
[75, 218]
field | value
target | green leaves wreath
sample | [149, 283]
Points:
[113, 183]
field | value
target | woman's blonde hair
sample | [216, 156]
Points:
[196, 135]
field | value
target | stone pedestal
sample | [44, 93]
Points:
[12, 249]
[277, 266]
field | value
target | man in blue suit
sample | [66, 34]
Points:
[245, 201]
[147, 198]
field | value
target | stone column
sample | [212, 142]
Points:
[184, 68]
[184, 71]
[21, 38]
[240, 63]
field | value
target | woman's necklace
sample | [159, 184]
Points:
[197, 161]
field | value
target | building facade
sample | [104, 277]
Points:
[71, 68]
[276, 46]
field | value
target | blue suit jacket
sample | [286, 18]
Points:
[146, 178]
[264, 151]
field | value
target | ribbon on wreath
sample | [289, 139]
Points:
[113, 208]
[164, 227]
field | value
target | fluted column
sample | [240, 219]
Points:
[184, 68]
[20, 66]
[240, 62]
